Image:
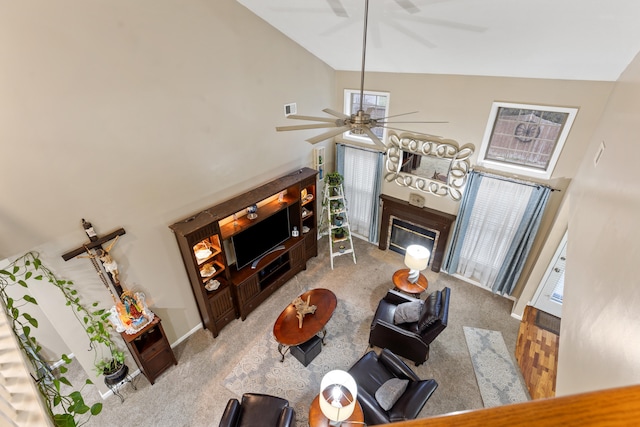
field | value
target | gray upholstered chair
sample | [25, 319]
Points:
[373, 373]
[410, 339]
[258, 410]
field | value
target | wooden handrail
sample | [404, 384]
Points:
[603, 408]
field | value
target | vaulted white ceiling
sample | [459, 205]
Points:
[555, 39]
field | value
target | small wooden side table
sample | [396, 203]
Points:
[150, 349]
[317, 418]
[401, 282]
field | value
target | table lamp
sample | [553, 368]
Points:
[338, 394]
[416, 258]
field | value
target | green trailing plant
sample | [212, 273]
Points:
[340, 233]
[333, 178]
[65, 409]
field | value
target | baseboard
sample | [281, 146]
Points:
[138, 372]
[62, 362]
[187, 335]
[109, 393]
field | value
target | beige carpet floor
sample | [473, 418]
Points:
[192, 393]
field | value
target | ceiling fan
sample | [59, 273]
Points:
[361, 122]
[339, 10]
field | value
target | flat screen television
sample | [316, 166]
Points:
[260, 238]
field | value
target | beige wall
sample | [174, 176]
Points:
[600, 335]
[465, 102]
[135, 115]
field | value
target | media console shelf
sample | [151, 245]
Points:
[221, 290]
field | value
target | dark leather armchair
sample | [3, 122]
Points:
[258, 410]
[372, 371]
[410, 340]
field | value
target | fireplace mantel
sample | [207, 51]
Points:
[424, 217]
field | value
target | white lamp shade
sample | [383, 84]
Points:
[338, 394]
[416, 257]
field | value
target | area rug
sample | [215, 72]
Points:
[548, 322]
[497, 377]
[260, 369]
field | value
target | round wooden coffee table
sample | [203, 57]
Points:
[286, 330]
[317, 418]
[401, 282]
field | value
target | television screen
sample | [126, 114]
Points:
[260, 238]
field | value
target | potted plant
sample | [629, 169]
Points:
[333, 179]
[336, 206]
[337, 220]
[339, 234]
[113, 368]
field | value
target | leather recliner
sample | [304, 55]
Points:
[258, 410]
[410, 340]
[372, 371]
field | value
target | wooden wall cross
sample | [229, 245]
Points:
[94, 251]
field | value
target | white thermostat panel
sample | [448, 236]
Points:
[416, 200]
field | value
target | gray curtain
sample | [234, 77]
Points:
[521, 245]
[340, 159]
[374, 230]
[459, 231]
[522, 241]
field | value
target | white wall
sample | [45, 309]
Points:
[48, 338]
[600, 332]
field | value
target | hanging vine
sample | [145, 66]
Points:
[64, 409]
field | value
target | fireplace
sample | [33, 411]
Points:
[432, 226]
[405, 233]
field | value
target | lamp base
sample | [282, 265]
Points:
[413, 276]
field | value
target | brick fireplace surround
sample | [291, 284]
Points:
[428, 218]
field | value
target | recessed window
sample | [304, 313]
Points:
[376, 104]
[525, 139]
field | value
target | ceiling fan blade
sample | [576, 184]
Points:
[398, 115]
[338, 8]
[408, 6]
[385, 122]
[311, 118]
[302, 127]
[447, 24]
[374, 137]
[329, 134]
[336, 113]
[412, 35]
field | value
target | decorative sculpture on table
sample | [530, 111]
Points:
[303, 308]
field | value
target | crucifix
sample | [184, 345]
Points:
[97, 253]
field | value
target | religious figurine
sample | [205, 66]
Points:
[109, 264]
[131, 313]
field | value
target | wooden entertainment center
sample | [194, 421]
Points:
[222, 291]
